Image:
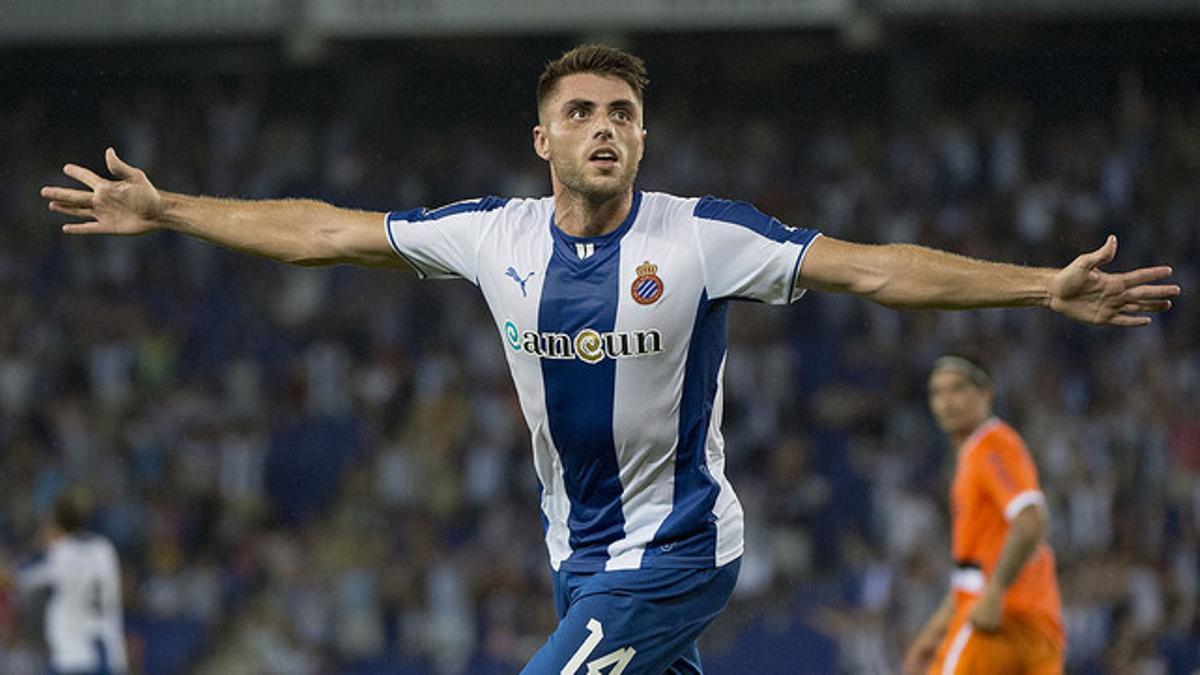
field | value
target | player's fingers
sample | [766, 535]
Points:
[1100, 256]
[82, 228]
[1128, 321]
[67, 196]
[1151, 292]
[118, 166]
[67, 209]
[83, 175]
[1146, 306]
[1145, 275]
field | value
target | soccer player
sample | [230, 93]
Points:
[1003, 613]
[84, 627]
[611, 303]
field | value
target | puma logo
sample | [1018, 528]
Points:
[512, 273]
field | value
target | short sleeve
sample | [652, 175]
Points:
[1007, 474]
[748, 254]
[444, 242]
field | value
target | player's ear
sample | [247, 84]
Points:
[541, 142]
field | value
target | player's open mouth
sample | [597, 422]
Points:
[603, 157]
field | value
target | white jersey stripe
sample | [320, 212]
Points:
[648, 479]
[728, 509]
[950, 666]
[556, 506]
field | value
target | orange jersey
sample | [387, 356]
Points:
[994, 480]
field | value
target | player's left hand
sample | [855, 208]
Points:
[1085, 293]
[985, 615]
[129, 205]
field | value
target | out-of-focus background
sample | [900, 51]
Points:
[325, 471]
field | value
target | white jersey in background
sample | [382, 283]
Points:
[616, 344]
[84, 627]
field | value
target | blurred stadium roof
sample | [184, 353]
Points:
[36, 21]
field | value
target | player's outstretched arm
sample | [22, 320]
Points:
[299, 231]
[904, 276]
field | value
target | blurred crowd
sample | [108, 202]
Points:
[311, 471]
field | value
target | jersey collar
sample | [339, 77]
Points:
[602, 240]
[979, 433]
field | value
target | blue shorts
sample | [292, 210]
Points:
[632, 622]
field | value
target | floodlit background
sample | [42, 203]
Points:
[325, 471]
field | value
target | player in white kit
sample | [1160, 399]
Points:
[84, 627]
[611, 305]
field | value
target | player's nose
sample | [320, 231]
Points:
[604, 130]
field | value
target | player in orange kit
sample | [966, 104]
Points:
[1003, 613]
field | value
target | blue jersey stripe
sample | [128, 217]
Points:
[545, 521]
[578, 295]
[690, 532]
[424, 214]
[741, 213]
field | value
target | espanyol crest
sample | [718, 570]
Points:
[647, 287]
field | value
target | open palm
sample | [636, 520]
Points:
[1085, 293]
[128, 205]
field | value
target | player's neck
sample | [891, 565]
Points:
[961, 437]
[958, 439]
[580, 216]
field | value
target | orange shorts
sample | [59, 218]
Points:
[1020, 647]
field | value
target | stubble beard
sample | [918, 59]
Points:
[573, 177]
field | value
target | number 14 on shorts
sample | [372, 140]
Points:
[615, 660]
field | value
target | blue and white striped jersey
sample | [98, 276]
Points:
[617, 346]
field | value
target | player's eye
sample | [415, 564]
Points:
[577, 113]
[622, 115]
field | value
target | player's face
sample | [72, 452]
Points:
[958, 404]
[591, 133]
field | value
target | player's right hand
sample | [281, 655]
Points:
[128, 205]
[919, 656]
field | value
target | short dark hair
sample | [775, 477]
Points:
[592, 58]
[976, 373]
[72, 510]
